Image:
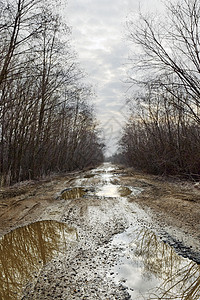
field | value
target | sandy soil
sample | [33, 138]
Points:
[173, 207]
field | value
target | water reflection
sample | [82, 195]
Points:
[108, 190]
[180, 277]
[111, 190]
[124, 191]
[72, 193]
[153, 270]
[25, 250]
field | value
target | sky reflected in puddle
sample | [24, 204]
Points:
[152, 270]
[105, 167]
[108, 189]
[111, 190]
[25, 250]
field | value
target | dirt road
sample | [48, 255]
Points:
[107, 233]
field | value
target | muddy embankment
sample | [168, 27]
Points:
[108, 233]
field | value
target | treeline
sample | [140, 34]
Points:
[162, 135]
[46, 121]
[161, 139]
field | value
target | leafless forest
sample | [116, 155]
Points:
[46, 121]
[162, 135]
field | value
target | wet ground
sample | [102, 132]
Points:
[97, 239]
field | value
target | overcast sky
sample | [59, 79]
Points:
[98, 36]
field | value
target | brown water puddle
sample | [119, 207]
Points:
[124, 191]
[25, 250]
[72, 193]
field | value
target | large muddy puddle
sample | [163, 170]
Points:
[151, 269]
[25, 250]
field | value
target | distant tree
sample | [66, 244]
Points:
[160, 138]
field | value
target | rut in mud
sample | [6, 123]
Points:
[98, 243]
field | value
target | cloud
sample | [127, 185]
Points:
[98, 34]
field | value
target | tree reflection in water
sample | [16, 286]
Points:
[25, 250]
[73, 193]
[180, 277]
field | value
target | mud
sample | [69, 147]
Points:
[174, 207]
[120, 232]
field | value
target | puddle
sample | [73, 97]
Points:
[124, 191]
[106, 177]
[108, 190]
[105, 167]
[111, 190]
[25, 250]
[151, 269]
[73, 193]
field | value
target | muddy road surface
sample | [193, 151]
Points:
[106, 233]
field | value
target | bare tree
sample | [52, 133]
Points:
[162, 134]
[16, 18]
[46, 123]
[160, 138]
[170, 52]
